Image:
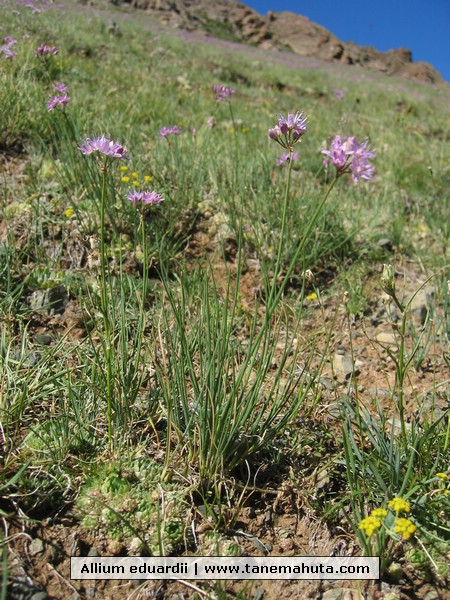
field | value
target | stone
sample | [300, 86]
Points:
[36, 547]
[343, 366]
[386, 337]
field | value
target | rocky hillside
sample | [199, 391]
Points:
[281, 30]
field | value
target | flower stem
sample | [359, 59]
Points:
[104, 283]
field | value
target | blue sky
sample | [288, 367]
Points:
[423, 26]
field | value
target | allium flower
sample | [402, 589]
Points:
[44, 50]
[348, 155]
[222, 92]
[339, 94]
[61, 88]
[9, 41]
[286, 157]
[169, 131]
[370, 525]
[289, 130]
[360, 166]
[57, 101]
[405, 528]
[7, 52]
[144, 197]
[104, 146]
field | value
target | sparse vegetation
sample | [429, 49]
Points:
[201, 351]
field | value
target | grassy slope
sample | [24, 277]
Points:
[129, 81]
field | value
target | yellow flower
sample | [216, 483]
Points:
[399, 505]
[136, 183]
[311, 296]
[370, 525]
[125, 179]
[442, 476]
[379, 513]
[405, 528]
[69, 212]
[148, 178]
[124, 168]
[245, 130]
[134, 174]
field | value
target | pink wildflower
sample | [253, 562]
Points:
[144, 197]
[104, 146]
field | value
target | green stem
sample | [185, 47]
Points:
[282, 234]
[300, 247]
[104, 282]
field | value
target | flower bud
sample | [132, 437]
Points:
[387, 280]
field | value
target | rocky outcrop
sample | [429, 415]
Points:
[285, 30]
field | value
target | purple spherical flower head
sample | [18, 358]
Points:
[10, 41]
[169, 131]
[339, 153]
[45, 50]
[104, 146]
[360, 166]
[289, 130]
[61, 88]
[285, 158]
[145, 197]
[295, 123]
[222, 92]
[56, 101]
[349, 156]
[7, 52]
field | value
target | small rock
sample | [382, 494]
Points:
[386, 337]
[93, 552]
[431, 595]
[43, 338]
[51, 301]
[343, 366]
[39, 596]
[36, 547]
[338, 594]
[334, 410]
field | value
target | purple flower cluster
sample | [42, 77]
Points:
[338, 94]
[61, 99]
[6, 47]
[144, 197]
[222, 92]
[165, 131]
[45, 51]
[289, 130]
[286, 158]
[103, 146]
[348, 155]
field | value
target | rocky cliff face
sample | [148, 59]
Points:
[282, 30]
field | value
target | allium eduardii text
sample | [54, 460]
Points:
[349, 156]
[144, 197]
[289, 130]
[222, 92]
[103, 146]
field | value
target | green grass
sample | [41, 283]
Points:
[178, 363]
